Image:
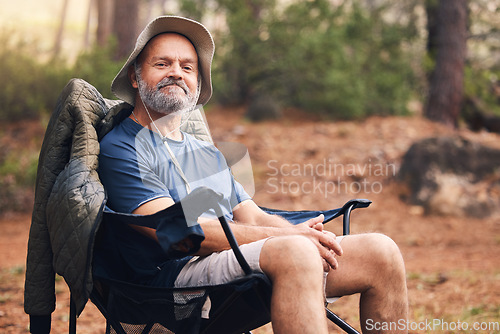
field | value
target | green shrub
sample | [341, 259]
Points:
[30, 87]
[341, 62]
[19, 168]
[17, 177]
[480, 84]
[98, 68]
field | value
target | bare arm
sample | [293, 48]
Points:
[251, 224]
[248, 213]
[149, 208]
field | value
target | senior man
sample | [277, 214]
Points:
[147, 164]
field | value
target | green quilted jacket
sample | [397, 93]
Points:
[69, 197]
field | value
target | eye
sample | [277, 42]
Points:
[162, 64]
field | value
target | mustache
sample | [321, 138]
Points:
[169, 81]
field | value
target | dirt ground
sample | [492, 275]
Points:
[452, 263]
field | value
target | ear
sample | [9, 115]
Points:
[132, 76]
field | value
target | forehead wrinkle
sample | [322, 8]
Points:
[184, 60]
[151, 44]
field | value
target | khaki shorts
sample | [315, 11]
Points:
[221, 267]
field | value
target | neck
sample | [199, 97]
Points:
[165, 125]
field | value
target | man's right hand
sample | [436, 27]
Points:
[325, 241]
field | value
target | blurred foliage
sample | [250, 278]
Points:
[33, 86]
[98, 68]
[30, 91]
[29, 87]
[349, 60]
[361, 68]
[14, 162]
[483, 85]
[482, 71]
[344, 62]
[17, 176]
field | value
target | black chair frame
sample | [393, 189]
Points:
[257, 286]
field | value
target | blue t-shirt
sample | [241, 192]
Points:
[135, 167]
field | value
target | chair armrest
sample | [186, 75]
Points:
[297, 217]
[346, 211]
[355, 204]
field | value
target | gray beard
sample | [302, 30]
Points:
[166, 103]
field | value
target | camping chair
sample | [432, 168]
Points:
[236, 307]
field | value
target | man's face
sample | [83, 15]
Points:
[167, 74]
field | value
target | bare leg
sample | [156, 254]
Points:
[295, 268]
[373, 266]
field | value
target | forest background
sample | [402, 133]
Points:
[339, 59]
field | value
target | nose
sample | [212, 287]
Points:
[175, 71]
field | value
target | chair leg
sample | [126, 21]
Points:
[340, 322]
[72, 316]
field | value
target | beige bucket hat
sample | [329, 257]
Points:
[192, 30]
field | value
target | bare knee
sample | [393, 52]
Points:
[385, 254]
[290, 256]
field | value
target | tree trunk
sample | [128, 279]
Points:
[431, 9]
[125, 26]
[86, 39]
[446, 81]
[60, 30]
[104, 21]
